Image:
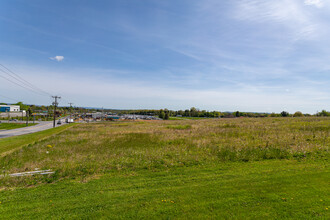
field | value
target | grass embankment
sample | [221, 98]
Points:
[9, 126]
[229, 168]
[270, 189]
[11, 143]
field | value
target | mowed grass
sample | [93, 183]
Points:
[9, 126]
[225, 168]
[270, 189]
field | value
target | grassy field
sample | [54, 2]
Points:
[7, 145]
[225, 168]
[9, 126]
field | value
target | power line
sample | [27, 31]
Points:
[21, 80]
[17, 79]
[9, 98]
[65, 100]
[19, 85]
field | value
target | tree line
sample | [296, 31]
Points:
[194, 112]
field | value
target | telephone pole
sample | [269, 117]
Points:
[102, 117]
[70, 103]
[55, 103]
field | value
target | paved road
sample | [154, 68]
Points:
[42, 125]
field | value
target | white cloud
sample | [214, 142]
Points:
[57, 58]
[316, 3]
[298, 21]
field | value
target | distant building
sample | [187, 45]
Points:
[9, 108]
[113, 117]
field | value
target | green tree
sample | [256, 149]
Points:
[298, 114]
[284, 114]
[22, 106]
[216, 114]
[193, 112]
[323, 113]
[161, 114]
[273, 114]
[186, 113]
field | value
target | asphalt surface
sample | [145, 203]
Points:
[41, 126]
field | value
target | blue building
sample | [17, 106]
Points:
[9, 108]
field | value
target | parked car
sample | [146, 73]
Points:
[59, 122]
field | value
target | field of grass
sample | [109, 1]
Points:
[9, 126]
[226, 168]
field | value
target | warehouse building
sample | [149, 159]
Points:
[9, 108]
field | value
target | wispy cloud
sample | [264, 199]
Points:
[289, 14]
[57, 58]
[316, 3]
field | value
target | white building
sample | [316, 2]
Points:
[9, 108]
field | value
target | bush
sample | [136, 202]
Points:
[298, 114]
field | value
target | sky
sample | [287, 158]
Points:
[245, 55]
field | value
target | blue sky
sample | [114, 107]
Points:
[244, 55]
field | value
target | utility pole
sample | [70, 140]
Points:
[27, 114]
[70, 103]
[55, 105]
[27, 117]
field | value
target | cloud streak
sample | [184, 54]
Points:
[290, 16]
[316, 3]
[57, 58]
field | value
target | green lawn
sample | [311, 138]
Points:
[9, 126]
[265, 168]
[256, 190]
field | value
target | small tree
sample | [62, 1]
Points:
[166, 117]
[284, 114]
[162, 114]
[298, 114]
